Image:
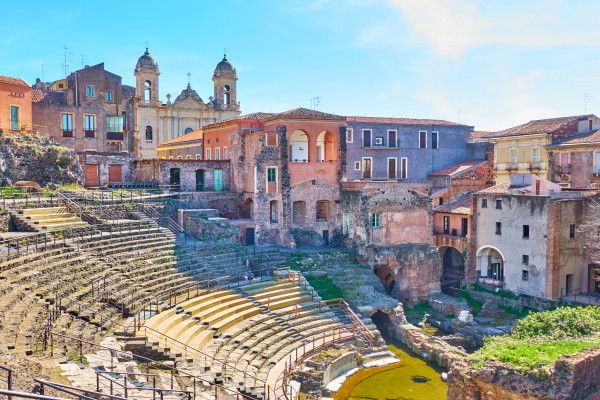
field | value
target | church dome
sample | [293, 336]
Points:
[188, 92]
[146, 62]
[224, 68]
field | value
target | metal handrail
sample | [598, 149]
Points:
[72, 390]
[127, 388]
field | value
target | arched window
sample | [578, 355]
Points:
[187, 130]
[147, 91]
[226, 95]
[149, 135]
[299, 146]
[325, 147]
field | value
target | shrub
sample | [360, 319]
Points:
[564, 322]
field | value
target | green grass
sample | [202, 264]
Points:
[507, 294]
[325, 287]
[12, 192]
[475, 304]
[416, 313]
[539, 339]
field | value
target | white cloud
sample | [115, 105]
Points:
[451, 27]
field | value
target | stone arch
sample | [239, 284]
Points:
[298, 146]
[325, 147]
[453, 269]
[385, 273]
[490, 263]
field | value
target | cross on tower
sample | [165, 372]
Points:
[189, 74]
[146, 43]
[224, 52]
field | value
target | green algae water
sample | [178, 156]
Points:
[409, 379]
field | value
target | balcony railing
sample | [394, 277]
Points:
[114, 136]
[89, 134]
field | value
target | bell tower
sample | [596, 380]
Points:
[225, 84]
[146, 80]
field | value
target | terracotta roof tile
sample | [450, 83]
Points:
[501, 188]
[45, 96]
[539, 126]
[189, 137]
[480, 135]
[256, 115]
[458, 205]
[305, 113]
[13, 81]
[402, 121]
[458, 168]
[589, 137]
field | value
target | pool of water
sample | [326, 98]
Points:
[411, 378]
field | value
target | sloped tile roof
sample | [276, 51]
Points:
[479, 135]
[501, 188]
[589, 137]
[305, 113]
[13, 81]
[45, 96]
[189, 137]
[458, 168]
[540, 126]
[402, 121]
[257, 115]
[457, 205]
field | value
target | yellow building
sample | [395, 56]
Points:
[522, 149]
[59, 85]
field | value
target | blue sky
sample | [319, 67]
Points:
[491, 64]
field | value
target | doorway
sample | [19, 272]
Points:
[199, 180]
[249, 236]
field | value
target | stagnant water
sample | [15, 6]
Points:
[411, 378]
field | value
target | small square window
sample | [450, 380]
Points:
[89, 90]
[572, 231]
[525, 259]
[349, 135]
[525, 275]
[525, 231]
[357, 165]
[498, 204]
[483, 203]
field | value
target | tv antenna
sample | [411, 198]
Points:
[586, 99]
[314, 103]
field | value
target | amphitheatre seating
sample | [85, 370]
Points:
[49, 218]
[251, 327]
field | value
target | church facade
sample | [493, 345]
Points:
[156, 122]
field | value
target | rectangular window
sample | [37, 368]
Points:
[349, 135]
[392, 138]
[89, 90]
[525, 231]
[225, 155]
[525, 259]
[446, 224]
[483, 203]
[435, 140]
[498, 228]
[498, 204]
[422, 139]
[404, 168]
[271, 179]
[273, 212]
[536, 155]
[66, 124]
[15, 124]
[89, 126]
[366, 137]
[572, 231]
[514, 155]
[392, 169]
[597, 162]
[376, 220]
[366, 168]
[357, 165]
[108, 96]
[464, 226]
[208, 154]
[525, 275]
[217, 153]
[114, 124]
[564, 159]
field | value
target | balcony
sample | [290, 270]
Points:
[115, 136]
[452, 238]
[89, 134]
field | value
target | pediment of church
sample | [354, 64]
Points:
[190, 103]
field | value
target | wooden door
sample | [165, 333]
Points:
[92, 175]
[115, 173]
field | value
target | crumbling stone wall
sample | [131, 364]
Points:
[572, 377]
[410, 272]
[36, 159]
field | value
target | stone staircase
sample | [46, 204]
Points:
[48, 219]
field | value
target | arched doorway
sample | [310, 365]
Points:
[490, 263]
[325, 147]
[386, 276]
[299, 146]
[453, 269]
